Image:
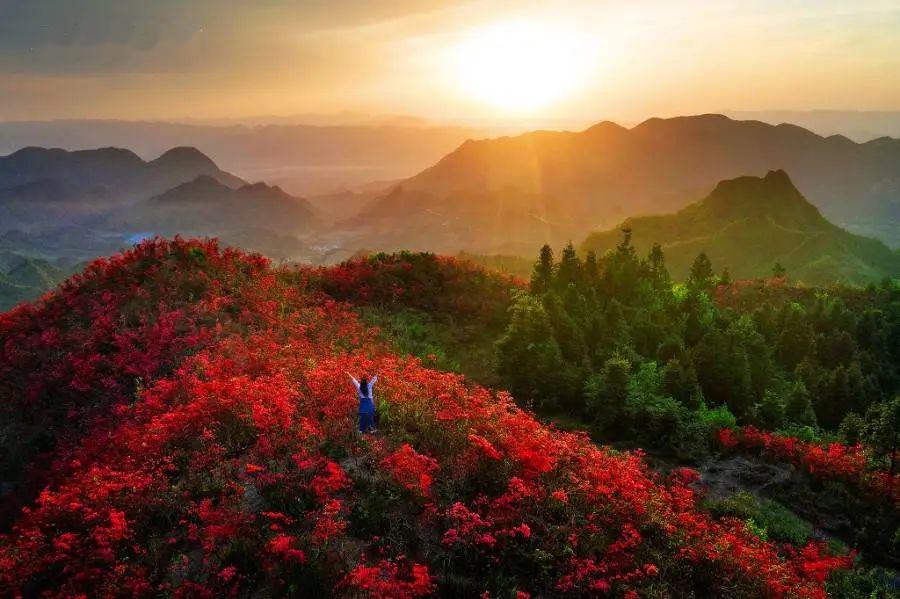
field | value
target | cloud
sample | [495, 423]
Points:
[95, 37]
[171, 58]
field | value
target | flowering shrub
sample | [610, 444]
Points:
[833, 461]
[390, 580]
[436, 284]
[207, 448]
[412, 470]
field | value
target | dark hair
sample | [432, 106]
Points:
[364, 385]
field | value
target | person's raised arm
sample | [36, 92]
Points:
[355, 382]
[372, 384]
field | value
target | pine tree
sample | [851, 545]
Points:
[798, 408]
[656, 265]
[835, 399]
[527, 356]
[569, 269]
[680, 382]
[567, 333]
[542, 275]
[701, 273]
[795, 342]
[723, 370]
[591, 271]
[606, 393]
[622, 270]
[770, 411]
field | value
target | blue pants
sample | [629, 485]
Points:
[366, 421]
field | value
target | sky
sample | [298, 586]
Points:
[567, 60]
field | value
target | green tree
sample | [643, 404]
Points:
[615, 333]
[591, 276]
[778, 270]
[841, 392]
[852, 428]
[568, 272]
[680, 382]
[764, 320]
[701, 273]
[527, 356]
[621, 271]
[656, 267]
[606, 393]
[770, 412]
[742, 332]
[796, 339]
[798, 407]
[723, 371]
[699, 316]
[883, 434]
[569, 336]
[542, 275]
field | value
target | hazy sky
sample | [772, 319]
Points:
[622, 59]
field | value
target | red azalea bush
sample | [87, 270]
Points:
[436, 284]
[411, 469]
[832, 461]
[227, 463]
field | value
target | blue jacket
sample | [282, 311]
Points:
[366, 399]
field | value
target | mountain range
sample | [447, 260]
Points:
[46, 188]
[117, 169]
[80, 204]
[511, 193]
[749, 224]
[317, 156]
[506, 195]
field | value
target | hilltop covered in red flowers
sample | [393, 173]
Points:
[188, 428]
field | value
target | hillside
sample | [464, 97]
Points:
[24, 278]
[187, 413]
[750, 223]
[498, 195]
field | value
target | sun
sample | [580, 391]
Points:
[520, 66]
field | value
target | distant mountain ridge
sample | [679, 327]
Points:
[322, 157]
[43, 188]
[206, 206]
[114, 168]
[81, 204]
[548, 185]
[748, 224]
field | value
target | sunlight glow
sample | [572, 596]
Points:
[520, 66]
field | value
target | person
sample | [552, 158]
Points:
[366, 402]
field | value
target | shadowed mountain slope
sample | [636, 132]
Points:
[207, 206]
